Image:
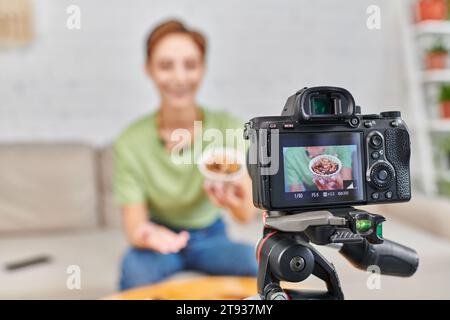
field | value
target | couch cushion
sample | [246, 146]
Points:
[47, 187]
[110, 211]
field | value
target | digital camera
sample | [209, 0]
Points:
[323, 153]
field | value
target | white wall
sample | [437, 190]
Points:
[88, 84]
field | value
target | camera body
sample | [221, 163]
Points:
[323, 153]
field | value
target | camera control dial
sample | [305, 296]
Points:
[382, 175]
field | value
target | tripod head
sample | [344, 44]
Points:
[285, 253]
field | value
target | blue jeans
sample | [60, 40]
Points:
[209, 250]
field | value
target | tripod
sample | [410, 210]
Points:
[285, 253]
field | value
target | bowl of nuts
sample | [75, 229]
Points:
[325, 166]
[222, 164]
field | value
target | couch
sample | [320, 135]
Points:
[56, 200]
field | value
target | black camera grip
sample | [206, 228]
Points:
[392, 258]
[398, 153]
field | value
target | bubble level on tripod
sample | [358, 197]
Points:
[380, 230]
[363, 225]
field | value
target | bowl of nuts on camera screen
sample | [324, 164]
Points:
[222, 164]
[325, 166]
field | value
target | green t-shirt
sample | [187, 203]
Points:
[296, 164]
[145, 173]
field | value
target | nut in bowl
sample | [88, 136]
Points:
[325, 166]
[222, 164]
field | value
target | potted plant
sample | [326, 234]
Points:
[444, 100]
[443, 153]
[444, 187]
[432, 10]
[436, 57]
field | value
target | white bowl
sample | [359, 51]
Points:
[325, 156]
[230, 154]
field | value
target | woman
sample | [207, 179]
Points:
[171, 216]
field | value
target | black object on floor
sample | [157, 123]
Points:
[28, 262]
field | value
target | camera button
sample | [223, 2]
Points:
[375, 155]
[376, 141]
[369, 124]
[388, 195]
[354, 122]
[273, 126]
[382, 174]
[375, 196]
[395, 123]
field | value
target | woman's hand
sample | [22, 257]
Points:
[144, 234]
[234, 196]
[333, 183]
[161, 239]
[228, 195]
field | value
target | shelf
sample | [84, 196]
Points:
[432, 27]
[422, 87]
[444, 177]
[431, 76]
[439, 125]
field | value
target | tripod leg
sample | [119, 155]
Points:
[267, 283]
[325, 271]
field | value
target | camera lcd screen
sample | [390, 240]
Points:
[319, 168]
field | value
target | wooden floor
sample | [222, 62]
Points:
[201, 288]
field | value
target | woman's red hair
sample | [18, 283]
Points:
[171, 27]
